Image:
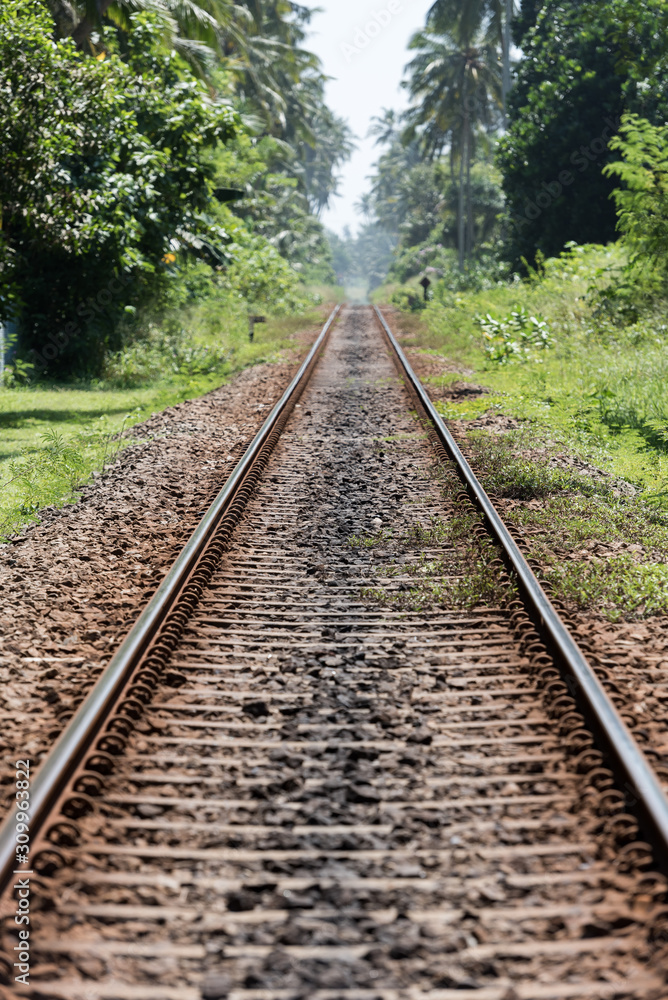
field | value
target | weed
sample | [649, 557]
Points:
[54, 473]
[370, 541]
[509, 473]
[458, 578]
[619, 586]
[514, 336]
[435, 533]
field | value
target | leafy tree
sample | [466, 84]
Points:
[272, 67]
[105, 176]
[274, 206]
[585, 62]
[525, 19]
[642, 203]
[195, 28]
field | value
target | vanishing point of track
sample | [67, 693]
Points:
[306, 774]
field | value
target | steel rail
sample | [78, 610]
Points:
[74, 741]
[640, 781]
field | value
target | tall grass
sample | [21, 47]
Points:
[52, 474]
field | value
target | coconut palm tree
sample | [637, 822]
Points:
[386, 127]
[464, 18]
[455, 86]
[197, 29]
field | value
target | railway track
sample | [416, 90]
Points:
[314, 770]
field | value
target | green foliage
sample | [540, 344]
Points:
[52, 474]
[516, 335]
[114, 159]
[275, 204]
[261, 277]
[440, 264]
[642, 202]
[280, 83]
[18, 373]
[409, 299]
[105, 175]
[161, 354]
[583, 64]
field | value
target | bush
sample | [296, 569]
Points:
[642, 203]
[260, 276]
[515, 335]
[163, 354]
[409, 299]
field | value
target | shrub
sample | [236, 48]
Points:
[515, 335]
[642, 202]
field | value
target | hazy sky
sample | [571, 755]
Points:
[362, 45]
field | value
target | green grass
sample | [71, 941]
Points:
[599, 544]
[53, 438]
[597, 398]
[602, 390]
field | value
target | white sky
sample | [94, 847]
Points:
[365, 55]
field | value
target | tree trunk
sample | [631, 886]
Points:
[506, 59]
[469, 204]
[462, 157]
[460, 220]
[85, 25]
[64, 17]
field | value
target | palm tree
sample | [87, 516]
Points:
[197, 29]
[386, 127]
[270, 63]
[394, 165]
[331, 146]
[463, 18]
[455, 85]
